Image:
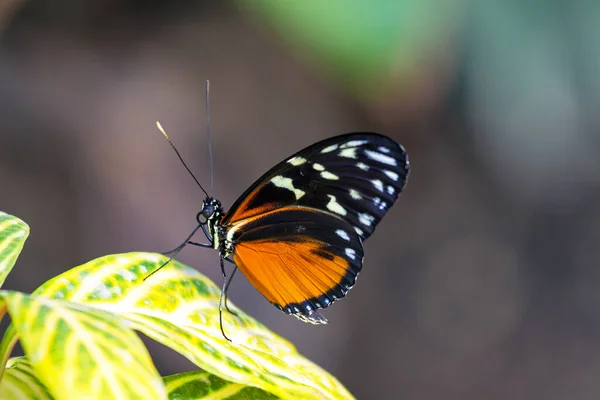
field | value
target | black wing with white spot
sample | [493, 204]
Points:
[355, 176]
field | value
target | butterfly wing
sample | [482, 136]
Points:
[356, 176]
[300, 259]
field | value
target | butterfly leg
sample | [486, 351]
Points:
[173, 253]
[200, 244]
[181, 246]
[188, 241]
[223, 289]
[227, 289]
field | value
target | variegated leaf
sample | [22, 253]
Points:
[9, 339]
[178, 307]
[200, 385]
[13, 233]
[80, 352]
[21, 383]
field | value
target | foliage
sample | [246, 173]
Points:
[78, 334]
[365, 45]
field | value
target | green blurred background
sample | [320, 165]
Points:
[482, 282]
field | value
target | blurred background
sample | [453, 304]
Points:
[482, 281]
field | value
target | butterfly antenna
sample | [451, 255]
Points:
[210, 155]
[160, 128]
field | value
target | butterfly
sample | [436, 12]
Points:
[297, 233]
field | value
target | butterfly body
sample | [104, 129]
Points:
[297, 232]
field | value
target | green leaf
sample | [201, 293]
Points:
[8, 343]
[178, 307]
[367, 46]
[82, 352]
[20, 382]
[13, 233]
[198, 385]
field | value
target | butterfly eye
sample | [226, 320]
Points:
[208, 209]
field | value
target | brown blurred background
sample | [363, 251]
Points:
[483, 280]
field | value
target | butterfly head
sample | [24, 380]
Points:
[211, 209]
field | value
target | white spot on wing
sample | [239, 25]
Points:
[365, 219]
[392, 175]
[295, 161]
[383, 149]
[328, 175]
[358, 230]
[341, 233]
[390, 189]
[378, 184]
[350, 253]
[355, 194]
[348, 153]
[329, 148]
[353, 143]
[376, 201]
[318, 167]
[334, 206]
[382, 158]
[362, 166]
[286, 183]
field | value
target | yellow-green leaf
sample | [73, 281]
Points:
[82, 352]
[21, 383]
[8, 343]
[178, 307]
[198, 385]
[13, 233]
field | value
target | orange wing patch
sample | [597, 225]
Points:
[246, 212]
[297, 276]
[300, 259]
